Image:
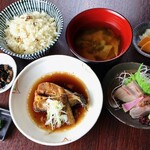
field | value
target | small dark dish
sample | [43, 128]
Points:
[97, 18]
[138, 31]
[5, 122]
[108, 85]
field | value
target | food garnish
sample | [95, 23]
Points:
[145, 120]
[142, 77]
[144, 42]
[57, 102]
[149, 116]
[133, 92]
[56, 116]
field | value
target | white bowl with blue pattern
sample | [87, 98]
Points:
[26, 6]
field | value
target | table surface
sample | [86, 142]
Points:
[108, 133]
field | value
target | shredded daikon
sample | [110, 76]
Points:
[56, 116]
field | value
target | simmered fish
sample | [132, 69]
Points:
[47, 89]
[62, 99]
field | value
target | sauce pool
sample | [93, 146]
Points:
[67, 81]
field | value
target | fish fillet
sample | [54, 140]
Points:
[47, 89]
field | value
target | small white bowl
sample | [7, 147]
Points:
[138, 31]
[33, 72]
[8, 60]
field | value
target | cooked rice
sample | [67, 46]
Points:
[30, 32]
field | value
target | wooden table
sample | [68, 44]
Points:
[108, 133]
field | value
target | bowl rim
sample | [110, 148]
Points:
[87, 69]
[99, 61]
[135, 36]
[11, 62]
[40, 52]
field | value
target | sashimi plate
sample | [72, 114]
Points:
[110, 81]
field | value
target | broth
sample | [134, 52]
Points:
[66, 81]
[98, 43]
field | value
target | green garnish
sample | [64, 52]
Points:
[142, 77]
[149, 116]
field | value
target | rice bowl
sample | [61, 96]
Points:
[19, 8]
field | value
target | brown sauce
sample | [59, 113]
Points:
[67, 81]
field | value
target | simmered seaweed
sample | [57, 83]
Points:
[6, 75]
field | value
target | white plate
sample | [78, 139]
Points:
[26, 79]
[6, 59]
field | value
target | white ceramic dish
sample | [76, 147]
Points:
[26, 79]
[6, 59]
